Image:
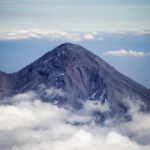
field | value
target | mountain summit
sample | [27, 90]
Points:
[70, 74]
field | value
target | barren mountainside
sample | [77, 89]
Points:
[77, 73]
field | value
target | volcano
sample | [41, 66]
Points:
[70, 75]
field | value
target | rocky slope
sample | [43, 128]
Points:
[69, 75]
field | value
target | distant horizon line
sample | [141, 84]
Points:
[72, 35]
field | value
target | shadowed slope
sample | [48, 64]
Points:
[79, 74]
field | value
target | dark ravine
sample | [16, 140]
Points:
[80, 74]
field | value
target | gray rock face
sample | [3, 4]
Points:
[77, 73]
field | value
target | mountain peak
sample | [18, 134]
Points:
[70, 48]
[63, 49]
[69, 45]
[79, 74]
[64, 54]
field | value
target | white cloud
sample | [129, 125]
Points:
[70, 35]
[89, 36]
[142, 32]
[139, 127]
[38, 33]
[90, 106]
[29, 124]
[123, 52]
[51, 35]
[53, 92]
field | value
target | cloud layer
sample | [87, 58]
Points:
[29, 124]
[123, 52]
[51, 35]
[70, 35]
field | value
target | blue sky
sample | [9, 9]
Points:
[118, 31]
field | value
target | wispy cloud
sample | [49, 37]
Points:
[123, 52]
[51, 35]
[70, 35]
[89, 36]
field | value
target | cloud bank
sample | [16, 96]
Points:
[51, 35]
[123, 52]
[29, 124]
[70, 35]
